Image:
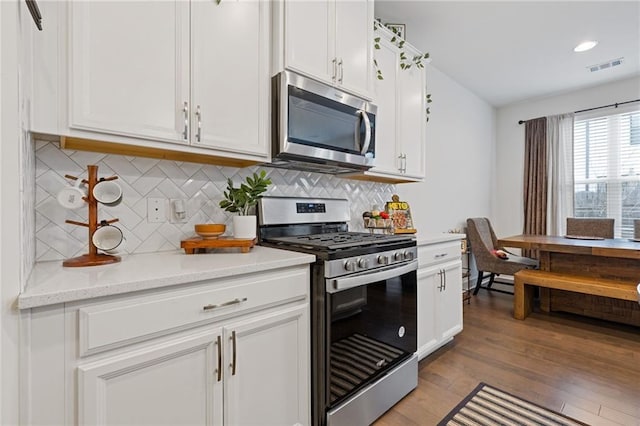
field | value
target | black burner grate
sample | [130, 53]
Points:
[338, 240]
[357, 359]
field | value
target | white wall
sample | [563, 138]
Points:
[10, 225]
[459, 159]
[508, 207]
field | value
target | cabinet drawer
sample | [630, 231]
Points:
[108, 325]
[438, 253]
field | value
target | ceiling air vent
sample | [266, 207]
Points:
[610, 64]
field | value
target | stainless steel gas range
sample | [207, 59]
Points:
[363, 307]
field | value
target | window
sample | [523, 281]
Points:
[606, 165]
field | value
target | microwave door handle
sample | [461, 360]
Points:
[367, 132]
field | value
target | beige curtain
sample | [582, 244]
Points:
[560, 160]
[535, 178]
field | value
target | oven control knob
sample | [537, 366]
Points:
[383, 260]
[407, 255]
[350, 265]
[397, 256]
[363, 263]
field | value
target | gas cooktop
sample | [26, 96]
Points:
[337, 240]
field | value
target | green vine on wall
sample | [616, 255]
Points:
[405, 62]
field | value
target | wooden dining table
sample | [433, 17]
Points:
[614, 258]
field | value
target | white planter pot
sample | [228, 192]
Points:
[244, 227]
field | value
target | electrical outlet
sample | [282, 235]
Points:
[178, 211]
[156, 211]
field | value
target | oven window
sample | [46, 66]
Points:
[372, 329]
[320, 122]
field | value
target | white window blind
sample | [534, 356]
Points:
[607, 168]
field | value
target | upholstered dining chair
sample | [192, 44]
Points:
[484, 244]
[590, 227]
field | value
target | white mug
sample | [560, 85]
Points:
[107, 238]
[72, 197]
[108, 193]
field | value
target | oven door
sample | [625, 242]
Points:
[372, 327]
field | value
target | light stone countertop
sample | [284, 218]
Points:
[51, 283]
[426, 239]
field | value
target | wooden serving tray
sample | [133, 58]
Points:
[190, 245]
[405, 231]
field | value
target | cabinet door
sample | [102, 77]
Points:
[129, 65]
[354, 45]
[309, 44]
[168, 384]
[386, 160]
[230, 75]
[267, 377]
[449, 305]
[428, 281]
[412, 118]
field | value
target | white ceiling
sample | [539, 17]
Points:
[509, 51]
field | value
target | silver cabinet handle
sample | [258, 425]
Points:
[440, 275]
[403, 163]
[199, 118]
[438, 256]
[233, 356]
[185, 111]
[335, 69]
[341, 69]
[219, 344]
[221, 305]
[444, 275]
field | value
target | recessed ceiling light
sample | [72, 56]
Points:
[585, 45]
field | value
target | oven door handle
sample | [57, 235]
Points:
[339, 284]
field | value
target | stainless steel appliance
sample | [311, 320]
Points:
[363, 307]
[319, 128]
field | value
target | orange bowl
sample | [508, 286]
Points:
[210, 231]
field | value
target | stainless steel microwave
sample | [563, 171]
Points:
[316, 127]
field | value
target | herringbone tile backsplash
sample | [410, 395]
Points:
[199, 186]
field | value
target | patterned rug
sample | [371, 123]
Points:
[488, 406]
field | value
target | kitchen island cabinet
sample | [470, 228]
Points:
[328, 40]
[174, 75]
[439, 292]
[233, 349]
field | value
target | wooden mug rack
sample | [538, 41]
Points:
[93, 258]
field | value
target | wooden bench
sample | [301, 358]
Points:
[526, 279]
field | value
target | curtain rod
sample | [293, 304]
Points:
[593, 109]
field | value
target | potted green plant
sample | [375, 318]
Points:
[240, 200]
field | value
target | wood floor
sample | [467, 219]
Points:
[587, 369]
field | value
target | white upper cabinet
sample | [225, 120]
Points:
[386, 98]
[129, 68]
[149, 72]
[330, 40]
[411, 120]
[230, 75]
[401, 119]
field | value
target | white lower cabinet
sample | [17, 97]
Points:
[172, 383]
[267, 367]
[227, 352]
[439, 295]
